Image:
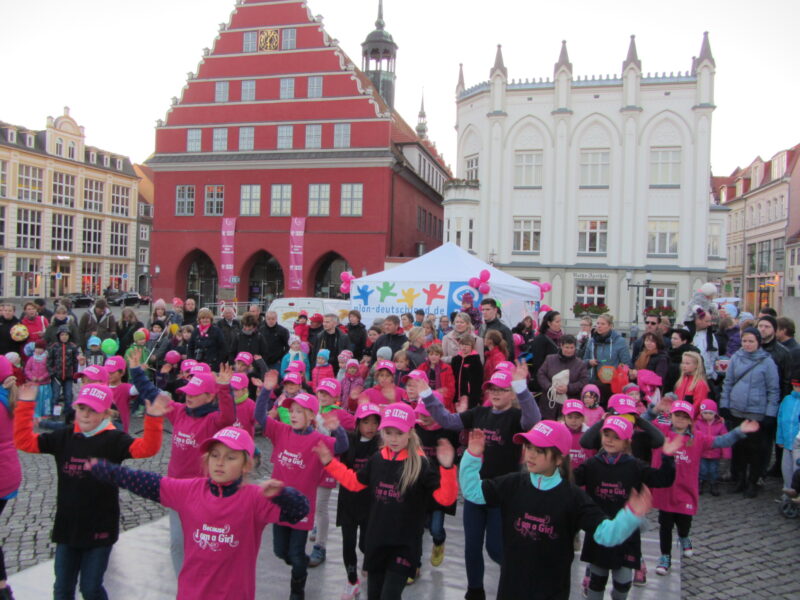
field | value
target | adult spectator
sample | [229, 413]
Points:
[7, 320]
[230, 327]
[35, 323]
[67, 303]
[767, 311]
[357, 334]
[248, 339]
[160, 313]
[767, 327]
[332, 339]
[61, 317]
[98, 321]
[706, 341]
[604, 352]
[729, 335]
[276, 337]
[651, 325]
[255, 309]
[390, 338]
[41, 308]
[207, 343]
[751, 391]
[128, 324]
[680, 342]
[665, 329]
[526, 329]
[545, 344]
[444, 327]
[584, 333]
[373, 333]
[190, 314]
[565, 359]
[785, 335]
[462, 323]
[652, 357]
[314, 328]
[491, 320]
[406, 322]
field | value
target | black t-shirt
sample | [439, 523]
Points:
[501, 455]
[430, 440]
[352, 508]
[87, 510]
[538, 532]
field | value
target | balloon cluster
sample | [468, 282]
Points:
[544, 287]
[346, 277]
[481, 283]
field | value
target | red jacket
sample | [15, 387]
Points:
[493, 358]
[447, 383]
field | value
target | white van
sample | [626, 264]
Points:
[289, 308]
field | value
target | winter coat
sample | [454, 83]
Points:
[51, 333]
[350, 383]
[229, 333]
[416, 356]
[335, 342]
[125, 331]
[611, 349]
[395, 341]
[498, 325]
[277, 342]
[468, 373]
[542, 348]
[36, 369]
[252, 342]
[36, 327]
[289, 357]
[6, 343]
[62, 360]
[713, 429]
[493, 358]
[555, 363]
[528, 336]
[695, 395]
[104, 327]
[450, 345]
[9, 461]
[358, 339]
[733, 340]
[675, 356]
[658, 363]
[447, 382]
[751, 394]
[788, 420]
[783, 360]
[208, 348]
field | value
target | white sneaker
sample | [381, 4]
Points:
[351, 591]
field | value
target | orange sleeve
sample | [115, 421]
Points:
[24, 438]
[150, 442]
[347, 477]
[448, 486]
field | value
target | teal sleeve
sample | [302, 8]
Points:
[469, 478]
[612, 532]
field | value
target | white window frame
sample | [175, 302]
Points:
[250, 200]
[72, 149]
[595, 171]
[220, 139]
[144, 256]
[93, 157]
[714, 237]
[59, 147]
[341, 135]
[29, 140]
[115, 275]
[214, 200]
[592, 233]
[352, 200]
[661, 296]
[106, 161]
[120, 200]
[118, 239]
[285, 137]
[63, 189]
[315, 83]
[665, 167]
[471, 167]
[591, 292]
[280, 204]
[30, 183]
[144, 233]
[221, 91]
[12, 136]
[62, 232]
[250, 41]
[93, 195]
[288, 38]
[29, 229]
[119, 164]
[313, 136]
[528, 168]
[2, 228]
[287, 88]
[247, 138]
[663, 238]
[319, 199]
[194, 140]
[527, 235]
[3, 178]
[184, 200]
[248, 90]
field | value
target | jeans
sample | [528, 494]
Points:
[789, 462]
[668, 520]
[57, 385]
[435, 525]
[479, 522]
[175, 541]
[290, 546]
[709, 469]
[89, 563]
[322, 516]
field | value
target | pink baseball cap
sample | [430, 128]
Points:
[573, 406]
[115, 363]
[173, 357]
[293, 377]
[245, 357]
[619, 425]
[708, 405]
[200, 383]
[200, 368]
[94, 373]
[233, 437]
[500, 379]
[398, 415]
[420, 375]
[96, 396]
[622, 404]
[239, 381]
[330, 385]
[188, 364]
[296, 366]
[351, 363]
[386, 364]
[305, 400]
[505, 365]
[420, 410]
[647, 377]
[367, 409]
[682, 406]
[547, 434]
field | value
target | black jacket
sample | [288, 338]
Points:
[229, 332]
[335, 342]
[783, 359]
[541, 347]
[277, 340]
[6, 343]
[209, 348]
[498, 325]
[358, 339]
[394, 341]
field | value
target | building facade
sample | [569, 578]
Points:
[587, 182]
[281, 165]
[758, 197]
[144, 229]
[67, 213]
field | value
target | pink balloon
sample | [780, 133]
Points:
[546, 287]
[343, 276]
[485, 275]
[474, 282]
[544, 308]
[345, 288]
[484, 288]
[173, 357]
[350, 276]
[536, 283]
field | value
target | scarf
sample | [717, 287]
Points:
[644, 358]
[434, 374]
[554, 335]
[202, 330]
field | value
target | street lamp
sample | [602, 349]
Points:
[648, 277]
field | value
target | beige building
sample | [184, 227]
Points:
[67, 213]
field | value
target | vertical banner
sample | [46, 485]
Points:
[296, 241]
[227, 237]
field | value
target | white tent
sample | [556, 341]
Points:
[435, 283]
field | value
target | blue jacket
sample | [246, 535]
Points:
[754, 393]
[613, 351]
[788, 420]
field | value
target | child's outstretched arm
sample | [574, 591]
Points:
[664, 476]
[439, 413]
[469, 477]
[293, 504]
[729, 439]
[530, 410]
[24, 438]
[612, 532]
[331, 422]
[142, 483]
[227, 410]
[591, 437]
[447, 492]
[150, 442]
[264, 396]
[347, 477]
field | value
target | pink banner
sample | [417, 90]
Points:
[296, 241]
[226, 253]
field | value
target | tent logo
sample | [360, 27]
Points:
[457, 290]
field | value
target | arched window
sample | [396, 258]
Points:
[59, 146]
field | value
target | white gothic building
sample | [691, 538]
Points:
[594, 184]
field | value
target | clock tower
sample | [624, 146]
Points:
[379, 53]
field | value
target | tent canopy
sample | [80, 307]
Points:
[435, 282]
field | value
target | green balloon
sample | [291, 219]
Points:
[109, 346]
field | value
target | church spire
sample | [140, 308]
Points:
[499, 65]
[422, 121]
[380, 24]
[705, 51]
[633, 56]
[563, 59]
[460, 87]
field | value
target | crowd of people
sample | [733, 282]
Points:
[545, 434]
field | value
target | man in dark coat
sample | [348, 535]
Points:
[331, 338]
[390, 337]
[491, 320]
[277, 338]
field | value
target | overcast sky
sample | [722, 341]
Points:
[117, 63]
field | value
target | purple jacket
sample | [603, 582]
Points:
[555, 363]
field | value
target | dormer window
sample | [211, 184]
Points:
[12, 136]
[723, 195]
[779, 166]
[739, 187]
[106, 161]
[755, 177]
[93, 157]
[59, 146]
[29, 140]
[119, 164]
[71, 150]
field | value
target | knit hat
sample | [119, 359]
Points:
[731, 309]
[351, 363]
[317, 318]
[6, 370]
[547, 434]
[96, 396]
[40, 343]
[467, 297]
[590, 387]
[753, 331]
[141, 335]
[398, 415]
[324, 353]
[160, 303]
[13, 358]
[384, 352]
[345, 355]
[93, 341]
[631, 387]
[177, 302]
[771, 320]
[294, 339]
[619, 425]
[28, 348]
[746, 316]
[234, 438]
[63, 329]
[708, 289]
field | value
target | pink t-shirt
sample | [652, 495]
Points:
[189, 432]
[682, 496]
[296, 464]
[221, 537]
[246, 416]
[593, 415]
[376, 396]
[10, 471]
[122, 397]
[577, 453]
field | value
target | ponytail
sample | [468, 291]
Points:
[412, 466]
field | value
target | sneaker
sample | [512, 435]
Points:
[664, 563]
[437, 554]
[640, 575]
[312, 537]
[686, 547]
[351, 591]
[585, 587]
[412, 580]
[317, 556]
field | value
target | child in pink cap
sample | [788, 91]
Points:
[352, 385]
[542, 511]
[709, 423]
[244, 406]
[590, 396]
[609, 477]
[87, 513]
[573, 411]
[124, 393]
[295, 462]
[222, 515]
[401, 482]
[677, 504]
[440, 374]
[384, 391]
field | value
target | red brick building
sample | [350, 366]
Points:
[279, 124]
